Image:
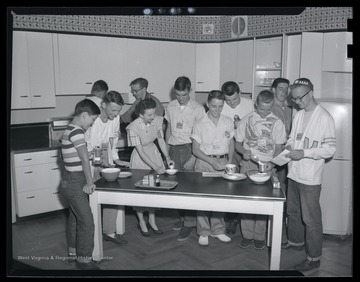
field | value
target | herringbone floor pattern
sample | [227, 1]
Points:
[39, 241]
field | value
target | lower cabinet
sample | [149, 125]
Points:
[36, 182]
[32, 202]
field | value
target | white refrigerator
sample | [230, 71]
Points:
[337, 182]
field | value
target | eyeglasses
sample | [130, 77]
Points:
[299, 98]
[136, 91]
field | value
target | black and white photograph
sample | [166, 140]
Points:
[179, 141]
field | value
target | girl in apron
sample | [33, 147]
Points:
[142, 133]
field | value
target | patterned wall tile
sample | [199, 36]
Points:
[186, 28]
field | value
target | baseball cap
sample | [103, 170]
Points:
[303, 82]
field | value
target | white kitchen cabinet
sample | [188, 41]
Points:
[33, 83]
[293, 56]
[207, 67]
[311, 59]
[80, 60]
[161, 63]
[335, 52]
[244, 74]
[236, 63]
[268, 63]
[228, 62]
[36, 182]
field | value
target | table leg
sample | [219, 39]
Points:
[120, 220]
[96, 211]
[269, 228]
[276, 236]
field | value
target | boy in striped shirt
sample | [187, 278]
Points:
[77, 183]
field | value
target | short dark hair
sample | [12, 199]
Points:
[265, 96]
[115, 97]
[147, 103]
[230, 88]
[87, 106]
[216, 94]
[141, 81]
[182, 83]
[279, 80]
[99, 85]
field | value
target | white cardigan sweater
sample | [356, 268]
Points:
[318, 142]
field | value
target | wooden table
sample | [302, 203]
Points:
[193, 192]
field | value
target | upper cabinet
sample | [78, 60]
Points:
[268, 63]
[81, 60]
[33, 84]
[244, 71]
[236, 64]
[311, 59]
[161, 63]
[335, 52]
[207, 67]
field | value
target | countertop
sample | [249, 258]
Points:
[193, 183]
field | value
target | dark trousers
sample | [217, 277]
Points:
[80, 225]
[180, 154]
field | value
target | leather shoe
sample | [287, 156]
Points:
[231, 228]
[307, 265]
[118, 239]
[156, 231]
[144, 233]
[286, 246]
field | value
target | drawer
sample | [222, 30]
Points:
[35, 158]
[56, 200]
[28, 178]
[33, 202]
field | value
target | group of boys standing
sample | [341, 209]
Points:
[231, 131]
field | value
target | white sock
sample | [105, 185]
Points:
[111, 235]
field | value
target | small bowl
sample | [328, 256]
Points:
[171, 171]
[110, 174]
[259, 177]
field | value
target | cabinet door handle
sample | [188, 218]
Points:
[24, 96]
[88, 82]
[55, 168]
[27, 172]
[30, 197]
[200, 82]
[27, 159]
[240, 82]
[38, 96]
[56, 193]
[54, 156]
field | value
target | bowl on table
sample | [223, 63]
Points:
[171, 171]
[259, 177]
[110, 173]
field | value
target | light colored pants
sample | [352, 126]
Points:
[205, 219]
[253, 226]
[209, 222]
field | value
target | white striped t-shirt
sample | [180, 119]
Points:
[74, 136]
